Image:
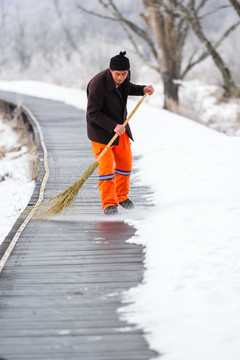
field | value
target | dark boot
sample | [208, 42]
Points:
[127, 204]
[111, 210]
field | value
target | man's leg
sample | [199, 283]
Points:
[123, 166]
[106, 178]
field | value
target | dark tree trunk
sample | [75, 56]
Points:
[193, 21]
[170, 92]
[162, 26]
[228, 82]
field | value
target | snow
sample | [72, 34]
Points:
[16, 187]
[188, 303]
[205, 103]
[189, 300]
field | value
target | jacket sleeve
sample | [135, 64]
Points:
[95, 106]
[136, 89]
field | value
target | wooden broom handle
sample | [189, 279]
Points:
[124, 124]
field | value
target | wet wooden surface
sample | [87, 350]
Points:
[62, 285]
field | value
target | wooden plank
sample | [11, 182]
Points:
[63, 284]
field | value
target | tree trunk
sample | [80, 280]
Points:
[161, 24]
[192, 18]
[170, 93]
[228, 82]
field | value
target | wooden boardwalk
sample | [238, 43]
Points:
[63, 283]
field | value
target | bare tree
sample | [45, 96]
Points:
[167, 25]
[162, 37]
[193, 61]
[160, 20]
[129, 27]
[190, 14]
[64, 27]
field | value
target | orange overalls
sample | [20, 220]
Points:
[114, 171]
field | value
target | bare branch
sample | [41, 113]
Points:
[136, 29]
[236, 5]
[65, 28]
[183, 29]
[191, 63]
[201, 4]
[145, 61]
[214, 11]
[96, 14]
[227, 33]
[195, 24]
[117, 16]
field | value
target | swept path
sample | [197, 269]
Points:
[62, 285]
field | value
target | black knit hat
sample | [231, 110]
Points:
[120, 62]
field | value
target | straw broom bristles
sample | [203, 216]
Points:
[66, 199]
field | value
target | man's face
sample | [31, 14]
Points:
[119, 76]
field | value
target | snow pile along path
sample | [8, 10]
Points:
[16, 185]
[189, 301]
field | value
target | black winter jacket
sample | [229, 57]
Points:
[107, 106]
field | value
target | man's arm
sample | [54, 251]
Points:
[141, 89]
[120, 129]
[94, 109]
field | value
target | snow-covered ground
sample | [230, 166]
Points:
[189, 300]
[188, 303]
[205, 103]
[16, 184]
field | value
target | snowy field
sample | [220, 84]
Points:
[188, 303]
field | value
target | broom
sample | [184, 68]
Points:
[66, 198]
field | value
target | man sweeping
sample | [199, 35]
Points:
[107, 94]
